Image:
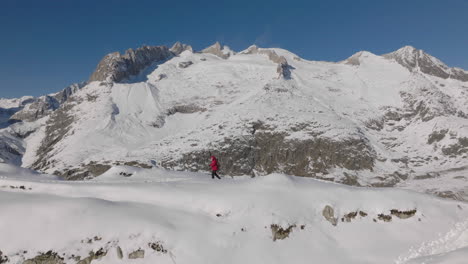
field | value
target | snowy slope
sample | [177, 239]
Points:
[391, 120]
[199, 220]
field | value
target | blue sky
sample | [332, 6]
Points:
[47, 45]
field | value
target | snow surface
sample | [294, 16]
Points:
[179, 209]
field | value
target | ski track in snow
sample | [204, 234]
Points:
[455, 238]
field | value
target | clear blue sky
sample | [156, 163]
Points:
[49, 44]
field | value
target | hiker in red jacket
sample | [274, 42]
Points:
[214, 167]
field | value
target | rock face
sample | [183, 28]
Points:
[68, 91]
[265, 152]
[178, 48]
[116, 67]
[218, 50]
[414, 59]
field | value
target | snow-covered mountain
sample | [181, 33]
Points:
[400, 119]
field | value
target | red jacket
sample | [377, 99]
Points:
[214, 163]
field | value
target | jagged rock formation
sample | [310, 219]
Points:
[415, 59]
[218, 50]
[116, 67]
[178, 48]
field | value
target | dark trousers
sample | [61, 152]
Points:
[213, 174]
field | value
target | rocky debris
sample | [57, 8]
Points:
[349, 216]
[49, 257]
[279, 232]
[218, 50]
[185, 64]
[385, 218]
[140, 253]
[125, 174]
[116, 67]
[3, 259]
[93, 256]
[119, 252]
[352, 215]
[157, 246]
[178, 48]
[21, 187]
[403, 214]
[329, 215]
[90, 240]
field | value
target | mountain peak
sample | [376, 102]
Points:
[116, 67]
[178, 48]
[417, 60]
[219, 50]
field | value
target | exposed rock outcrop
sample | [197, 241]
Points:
[266, 152]
[185, 64]
[279, 232]
[329, 215]
[415, 59]
[41, 107]
[178, 48]
[46, 258]
[93, 256]
[218, 50]
[116, 67]
[140, 253]
[403, 214]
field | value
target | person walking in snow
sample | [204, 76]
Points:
[214, 167]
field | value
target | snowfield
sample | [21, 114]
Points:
[194, 219]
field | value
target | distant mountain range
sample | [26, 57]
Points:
[399, 119]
